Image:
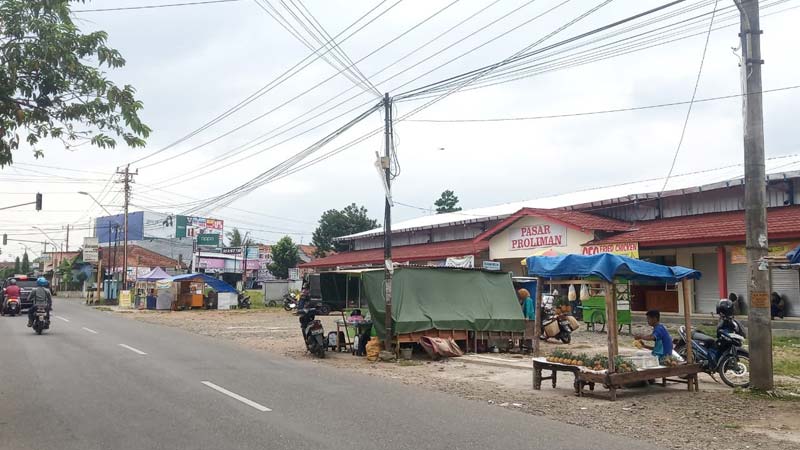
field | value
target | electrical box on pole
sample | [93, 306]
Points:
[38, 201]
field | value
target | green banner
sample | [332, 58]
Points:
[208, 240]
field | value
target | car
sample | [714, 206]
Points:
[26, 285]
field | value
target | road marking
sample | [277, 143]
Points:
[246, 401]
[89, 330]
[62, 318]
[134, 350]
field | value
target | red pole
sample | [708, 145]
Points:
[722, 272]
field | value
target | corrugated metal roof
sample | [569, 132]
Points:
[419, 252]
[776, 168]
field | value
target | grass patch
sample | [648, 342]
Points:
[256, 298]
[780, 393]
[408, 363]
[786, 355]
[103, 308]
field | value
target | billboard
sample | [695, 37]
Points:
[110, 228]
[90, 252]
[158, 225]
[188, 226]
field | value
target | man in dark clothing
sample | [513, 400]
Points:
[40, 296]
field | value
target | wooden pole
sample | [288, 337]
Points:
[537, 323]
[611, 323]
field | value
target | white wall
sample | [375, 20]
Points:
[500, 244]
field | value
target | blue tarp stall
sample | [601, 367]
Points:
[608, 267]
[178, 292]
[794, 256]
[213, 283]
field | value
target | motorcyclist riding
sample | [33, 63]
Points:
[12, 291]
[40, 296]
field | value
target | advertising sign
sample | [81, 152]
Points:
[231, 250]
[537, 236]
[125, 299]
[777, 250]
[90, 251]
[629, 249]
[158, 225]
[491, 265]
[188, 226]
[209, 240]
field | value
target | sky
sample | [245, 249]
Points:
[190, 64]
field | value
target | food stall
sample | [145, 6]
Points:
[147, 282]
[611, 371]
[187, 291]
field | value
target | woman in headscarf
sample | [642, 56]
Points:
[529, 312]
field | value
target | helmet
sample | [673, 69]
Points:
[41, 281]
[725, 308]
[12, 281]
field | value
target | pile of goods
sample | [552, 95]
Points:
[670, 361]
[568, 358]
[622, 365]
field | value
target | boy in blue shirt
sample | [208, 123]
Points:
[662, 340]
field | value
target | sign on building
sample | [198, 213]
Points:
[91, 253]
[629, 249]
[294, 273]
[491, 265]
[208, 240]
[158, 225]
[188, 226]
[538, 236]
[231, 250]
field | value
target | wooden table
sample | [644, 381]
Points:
[614, 381]
[540, 364]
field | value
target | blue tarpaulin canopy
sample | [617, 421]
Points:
[606, 266]
[794, 256]
[154, 275]
[217, 285]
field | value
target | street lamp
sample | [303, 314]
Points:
[95, 200]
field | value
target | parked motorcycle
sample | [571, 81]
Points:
[243, 301]
[41, 319]
[289, 302]
[313, 333]
[723, 355]
[12, 307]
[558, 326]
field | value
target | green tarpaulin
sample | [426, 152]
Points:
[444, 299]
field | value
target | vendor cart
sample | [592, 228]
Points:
[574, 269]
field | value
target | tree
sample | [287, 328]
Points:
[235, 238]
[333, 224]
[25, 267]
[447, 203]
[65, 273]
[284, 257]
[52, 84]
[17, 266]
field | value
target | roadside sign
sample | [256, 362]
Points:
[125, 299]
[491, 265]
[91, 252]
[208, 240]
[231, 250]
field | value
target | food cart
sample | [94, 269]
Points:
[187, 291]
[608, 268]
[147, 282]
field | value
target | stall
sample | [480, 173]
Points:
[471, 306]
[188, 291]
[608, 268]
[146, 283]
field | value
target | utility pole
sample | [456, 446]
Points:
[388, 269]
[67, 243]
[755, 194]
[127, 180]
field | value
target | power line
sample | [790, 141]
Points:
[169, 5]
[591, 113]
[691, 102]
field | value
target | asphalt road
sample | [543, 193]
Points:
[99, 381]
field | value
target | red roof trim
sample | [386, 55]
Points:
[576, 220]
[404, 253]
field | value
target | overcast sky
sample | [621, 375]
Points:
[190, 64]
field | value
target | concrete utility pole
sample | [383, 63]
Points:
[127, 180]
[387, 222]
[755, 194]
[67, 241]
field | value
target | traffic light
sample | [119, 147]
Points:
[38, 201]
[5, 239]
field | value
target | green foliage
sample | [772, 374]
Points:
[447, 203]
[235, 238]
[284, 257]
[64, 273]
[52, 85]
[334, 223]
[17, 265]
[25, 266]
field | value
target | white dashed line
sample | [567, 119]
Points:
[236, 396]
[62, 318]
[89, 330]
[134, 350]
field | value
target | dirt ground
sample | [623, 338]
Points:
[714, 418]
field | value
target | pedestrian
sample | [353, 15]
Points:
[529, 313]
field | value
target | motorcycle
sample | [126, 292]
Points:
[558, 326]
[313, 333]
[12, 307]
[724, 355]
[289, 302]
[243, 301]
[41, 319]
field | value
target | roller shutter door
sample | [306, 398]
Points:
[737, 282]
[706, 289]
[787, 282]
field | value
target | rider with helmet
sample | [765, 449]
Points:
[40, 296]
[12, 291]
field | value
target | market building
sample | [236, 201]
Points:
[694, 220]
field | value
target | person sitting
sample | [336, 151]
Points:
[660, 336]
[777, 306]
[12, 291]
[40, 296]
[355, 316]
